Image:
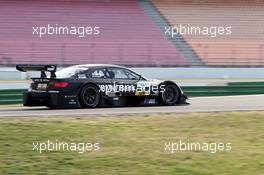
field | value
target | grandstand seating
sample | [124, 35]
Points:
[128, 35]
[244, 47]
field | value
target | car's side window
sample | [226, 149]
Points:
[98, 73]
[81, 74]
[119, 73]
[116, 73]
[132, 75]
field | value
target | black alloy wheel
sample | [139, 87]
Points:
[89, 96]
[171, 95]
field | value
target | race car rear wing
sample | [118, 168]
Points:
[42, 68]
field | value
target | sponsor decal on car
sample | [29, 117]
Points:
[150, 101]
[143, 88]
[107, 88]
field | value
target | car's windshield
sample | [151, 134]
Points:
[70, 72]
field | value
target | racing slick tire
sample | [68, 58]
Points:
[89, 96]
[171, 95]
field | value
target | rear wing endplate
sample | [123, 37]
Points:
[42, 68]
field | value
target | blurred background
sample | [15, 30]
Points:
[132, 32]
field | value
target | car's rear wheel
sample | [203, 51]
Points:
[171, 95]
[89, 96]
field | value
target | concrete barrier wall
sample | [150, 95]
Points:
[202, 72]
[171, 73]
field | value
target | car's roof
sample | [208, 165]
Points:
[102, 65]
[98, 65]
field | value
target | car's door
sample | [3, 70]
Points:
[125, 81]
[102, 79]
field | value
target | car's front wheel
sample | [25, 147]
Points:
[171, 95]
[89, 96]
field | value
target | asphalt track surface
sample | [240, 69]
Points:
[198, 104]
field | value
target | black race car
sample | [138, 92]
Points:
[94, 85]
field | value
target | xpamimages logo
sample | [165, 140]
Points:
[146, 88]
[79, 31]
[117, 88]
[80, 147]
[141, 88]
[212, 31]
